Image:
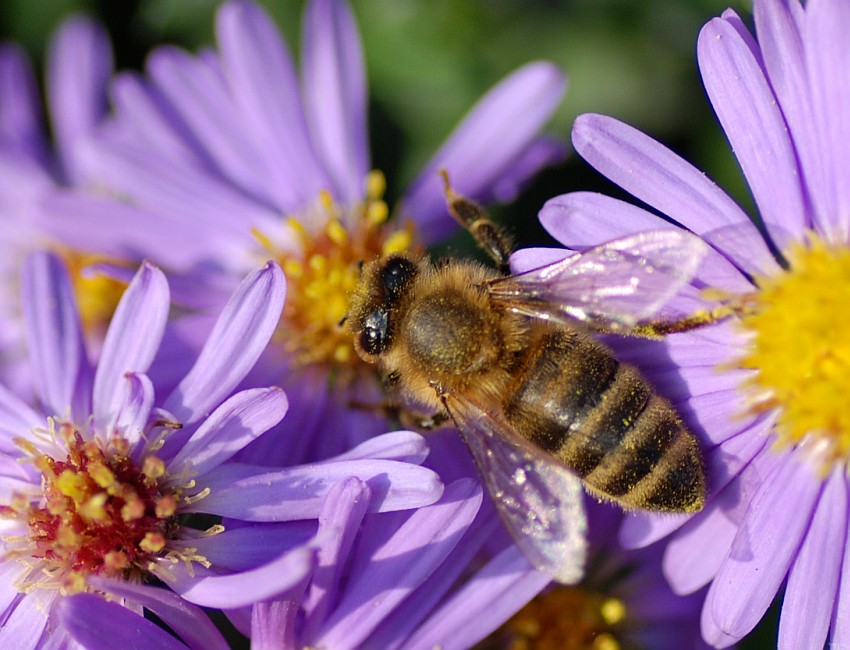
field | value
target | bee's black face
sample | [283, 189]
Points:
[374, 336]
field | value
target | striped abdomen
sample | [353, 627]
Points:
[601, 418]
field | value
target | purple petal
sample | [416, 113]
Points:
[264, 87]
[584, 219]
[131, 342]
[197, 92]
[272, 580]
[486, 144]
[780, 24]
[253, 493]
[334, 83]
[122, 231]
[840, 634]
[764, 547]
[747, 109]
[134, 408]
[26, 622]
[20, 109]
[808, 603]
[273, 624]
[53, 333]
[414, 552]
[403, 446]
[16, 418]
[247, 547]
[540, 153]
[828, 59]
[175, 192]
[343, 511]
[79, 67]
[242, 418]
[153, 122]
[495, 594]
[96, 624]
[186, 620]
[407, 617]
[660, 178]
[238, 338]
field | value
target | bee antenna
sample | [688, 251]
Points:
[360, 267]
[342, 320]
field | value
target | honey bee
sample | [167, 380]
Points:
[542, 405]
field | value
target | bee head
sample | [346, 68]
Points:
[375, 303]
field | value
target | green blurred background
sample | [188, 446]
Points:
[428, 61]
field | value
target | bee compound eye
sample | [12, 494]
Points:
[374, 335]
[396, 274]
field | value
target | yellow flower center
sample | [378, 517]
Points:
[97, 294]
[568, 618]
[323, 271]
[96, 512]
[801, 348]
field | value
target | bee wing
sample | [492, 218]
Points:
[611, 287]
[539, 501]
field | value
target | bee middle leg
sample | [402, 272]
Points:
[489, 236]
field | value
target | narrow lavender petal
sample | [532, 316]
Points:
[264, 86]
[79, 66]
[199, 95]
[828, 64]
[188, 621]
[153, 121]
[253, 493]
[238, 338]
[133, 408]
[779, 24]
[54, 337]
[273, 624]
[26, 622]
[175, 191]
[20, 110]
[495, 594]
[247, 547]
[585, 219]
[660, 178]
[486, 143]
[272, 580]
[746, 107]
[380, 580]
[808, 603]
[96, 624]
[123, 231]
[239, 420]
[398, 628]
[334, 84]
[764, 547]
[403, 446]
[342, 513]
[840, 632]
[16, 419]
[132, 340]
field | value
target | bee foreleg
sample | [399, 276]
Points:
[489, 236]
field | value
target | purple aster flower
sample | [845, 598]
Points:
[79, 63]
[107, 486]
[224, 157]
[767, 387]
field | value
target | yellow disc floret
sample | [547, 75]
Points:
[332, 241]
[568, 618]
[801, 348]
